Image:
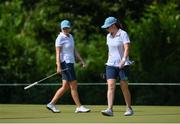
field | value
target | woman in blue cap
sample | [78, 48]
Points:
[65, 52]
[117, 65]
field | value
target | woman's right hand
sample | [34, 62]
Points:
[58, 70]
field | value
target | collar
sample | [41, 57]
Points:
[63, 35]
[118, 33]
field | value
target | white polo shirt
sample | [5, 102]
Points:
[116, 48]
[67, 47]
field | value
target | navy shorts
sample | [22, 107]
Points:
[69, 74]
[116, 72]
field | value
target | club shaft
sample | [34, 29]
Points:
[31, 85]
[47, 77]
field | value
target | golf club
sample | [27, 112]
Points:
[31, 85]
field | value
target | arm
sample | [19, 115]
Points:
[79, 58]
[125, 55]
[58, 63]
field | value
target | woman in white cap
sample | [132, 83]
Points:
[65, 59]
[117, 65]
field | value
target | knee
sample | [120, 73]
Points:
[65, 88]
[74, 87]
[111, 87]
[124, 86]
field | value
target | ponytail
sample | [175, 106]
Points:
[119, 25]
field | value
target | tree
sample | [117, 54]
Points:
[156, 41]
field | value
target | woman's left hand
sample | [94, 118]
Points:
[121, 64]
[83, 64]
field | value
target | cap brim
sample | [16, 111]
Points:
[107, 25]
[104, 26]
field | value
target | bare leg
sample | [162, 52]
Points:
[126, 93]
[110, 92]
[74, 92]
[60, 92]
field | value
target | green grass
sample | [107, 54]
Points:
[18, 113]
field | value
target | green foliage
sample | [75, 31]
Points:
[95, 54]
[21, 57]
[156, 40]
[28, 30]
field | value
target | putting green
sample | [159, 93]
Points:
[20, 113]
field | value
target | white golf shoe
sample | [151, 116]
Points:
[52, 108]
[107, 112]
[128, 112]
[82, 109]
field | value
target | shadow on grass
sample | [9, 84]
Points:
[157, 114]
[4, 118]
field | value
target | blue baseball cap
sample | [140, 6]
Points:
[65, 24]
[109, 21]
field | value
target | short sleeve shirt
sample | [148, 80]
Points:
[67, 47]
[116, 48]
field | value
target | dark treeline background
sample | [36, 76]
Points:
[28, 29]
